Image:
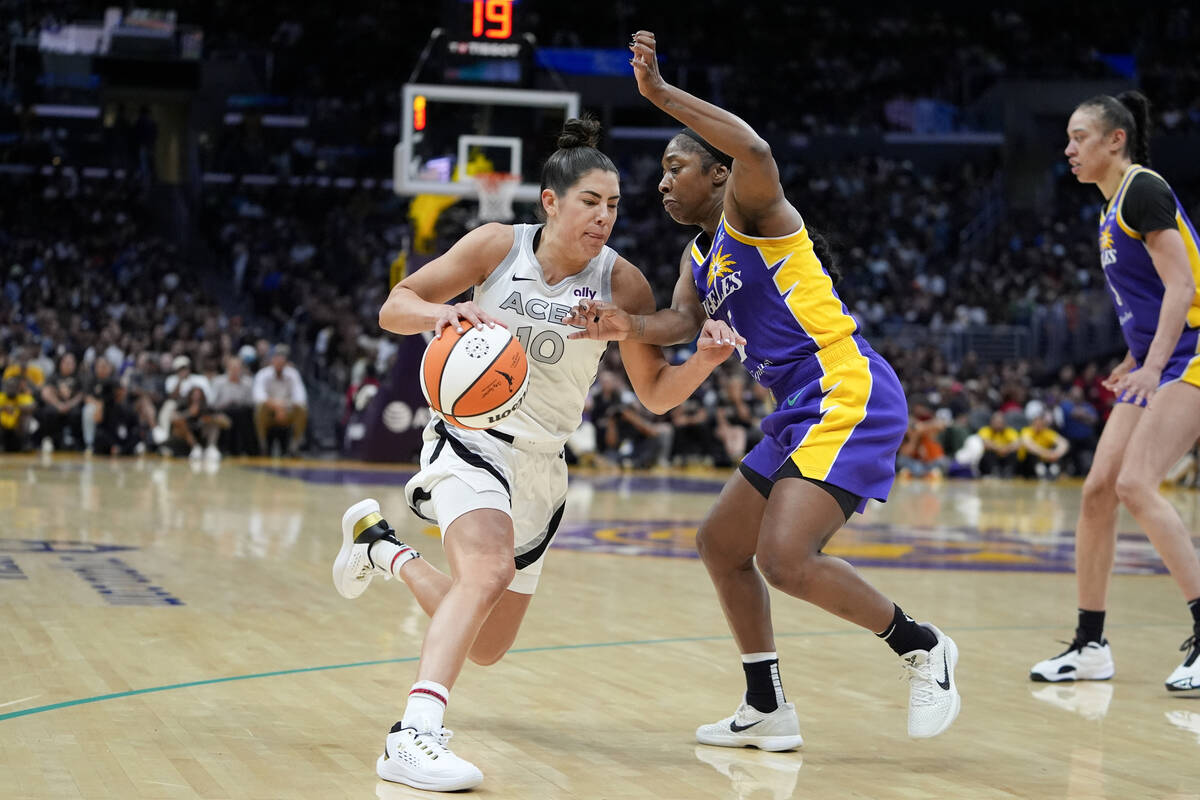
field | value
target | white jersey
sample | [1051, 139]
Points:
[561, 370]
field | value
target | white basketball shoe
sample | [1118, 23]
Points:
[1186, 677]
[423, 761]
[749, 727]
[933, 699]
[362, 526]
[1081, 661]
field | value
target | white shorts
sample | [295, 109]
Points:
[464, 471]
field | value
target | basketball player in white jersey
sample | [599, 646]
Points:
[498, 495]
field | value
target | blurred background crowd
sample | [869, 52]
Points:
[231, 309]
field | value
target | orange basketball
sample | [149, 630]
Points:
[476, 378]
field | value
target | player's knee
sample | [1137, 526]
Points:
[1099, 488]
[489, 577]
[1132, 490]
[785, 571]
[715, 550]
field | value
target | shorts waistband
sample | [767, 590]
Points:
[528, 445]
[824, 359]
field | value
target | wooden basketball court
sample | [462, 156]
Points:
[171, 631]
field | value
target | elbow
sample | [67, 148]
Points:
[758, 149]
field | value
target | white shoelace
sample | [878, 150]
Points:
[920, 680]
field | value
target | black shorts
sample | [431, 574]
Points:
[847, 501]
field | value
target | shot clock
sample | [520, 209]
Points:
[484, 42]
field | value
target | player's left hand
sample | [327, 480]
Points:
[645, 63]
[1139, 386]
[717, 340]
[599, 320]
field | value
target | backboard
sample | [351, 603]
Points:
[446, 128]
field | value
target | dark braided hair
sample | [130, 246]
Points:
[575, 156]
[1129, 111]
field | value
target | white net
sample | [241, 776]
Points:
[495, 191]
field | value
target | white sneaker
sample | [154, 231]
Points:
[749, 727]
[212, 454]
[933, 699]
[423, 761]
[197, 453]
[1089, 700]
[755, 775]
[362, 526]
[47, 445]
[1091, 661]
[1186, 677]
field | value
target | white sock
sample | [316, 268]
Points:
[754, 658]
[426, 707]
[391, 556]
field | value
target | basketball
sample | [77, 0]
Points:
[474, 379]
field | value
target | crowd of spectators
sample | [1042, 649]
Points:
[109, 342]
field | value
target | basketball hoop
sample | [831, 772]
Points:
[495, 191]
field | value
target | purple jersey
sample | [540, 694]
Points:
[841, 412]
[1137, 291]
[775, 293]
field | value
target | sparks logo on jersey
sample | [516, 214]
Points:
[722, 281]
[1108, 252]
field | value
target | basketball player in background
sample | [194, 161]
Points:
[830, 444]
[498, 494]
[1149, 257]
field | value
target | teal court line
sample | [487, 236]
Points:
[82, 701]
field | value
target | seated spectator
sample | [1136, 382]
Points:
[16, 415]
[921, 453]
[1001, 442]
[233, 396]
[1079, 422]
[738, 414]
[62, 402]
[109, 422]
[694, 439]
[23, 366]
[1042, 448]
[280, 400]
[197, 422]
[178, 387]
[626, 436]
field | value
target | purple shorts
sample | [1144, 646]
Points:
[842, 426]
[1183, 366]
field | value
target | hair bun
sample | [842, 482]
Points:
[579, 132]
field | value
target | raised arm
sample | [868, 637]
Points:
[417, 303]
[659, 385]
[753, 186]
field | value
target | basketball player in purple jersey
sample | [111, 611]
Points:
[830, 444]
[1148, 251]
[498, 495]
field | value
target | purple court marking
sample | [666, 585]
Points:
[877, 545]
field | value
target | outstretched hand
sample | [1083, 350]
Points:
[645, 63]
[600, 321]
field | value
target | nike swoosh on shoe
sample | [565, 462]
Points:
[945, 682]
[733, 726]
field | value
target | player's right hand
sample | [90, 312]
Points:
[455, 315]
[1119, 372]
